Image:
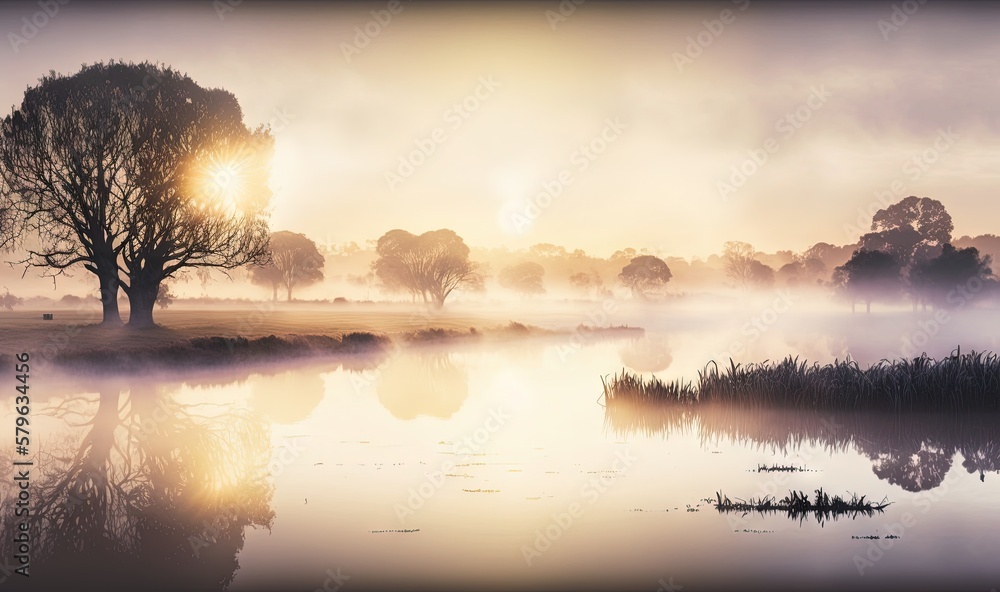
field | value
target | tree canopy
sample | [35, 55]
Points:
[136, 173]
[939, 279]
[431, 265]
[869, 276]
[295, 261]
[644, 275]
[525, 278]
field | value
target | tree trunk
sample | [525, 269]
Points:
[141, 299]
[109, 299]
[274, 292]
[288, 292]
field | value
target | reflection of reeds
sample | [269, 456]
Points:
[798, 505]
[969, 382]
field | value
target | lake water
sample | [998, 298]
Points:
[488, 467]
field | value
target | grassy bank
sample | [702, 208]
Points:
[962, 382]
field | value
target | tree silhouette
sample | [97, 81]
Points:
[584, 281]
[135, 188]
[63, 161]
[911, 230]
[295, 261]
[739, 257]
[203, 192]
[939, 279]
[431, 265]
[645, 274]
[524, 278]
[761, 276]
[868, 276]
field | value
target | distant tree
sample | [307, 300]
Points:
[547, 250]
[761, 276]
[624, 255]
[165, 297]
[366, 280]
[869, 276]
[9, 301]
[802, 270]
[295, 261]
[585, 282]
[738, 259]
[431, 265]
[645, 274]
[524, 278]
[939, 280]
[901, 228]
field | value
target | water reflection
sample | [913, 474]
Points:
[287, 397]
[648, 354]
[913, 452]
[424, 381]
[149, 494]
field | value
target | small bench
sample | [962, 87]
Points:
[47, 316]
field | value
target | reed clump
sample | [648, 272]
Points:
[961, 382]
[799, 505]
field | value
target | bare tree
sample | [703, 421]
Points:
[63, 156]
[739, 258]
[431, 265]
[128, 186]
[295, 261]
[203, 192]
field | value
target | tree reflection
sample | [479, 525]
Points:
[648, 354]
[425, 381]
[914, 452]
[154, 495]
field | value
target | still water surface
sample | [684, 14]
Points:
[487, 467]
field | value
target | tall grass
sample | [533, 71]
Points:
[962, 382]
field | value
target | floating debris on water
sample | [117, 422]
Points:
[395, 530]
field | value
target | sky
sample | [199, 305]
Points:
[597, 126]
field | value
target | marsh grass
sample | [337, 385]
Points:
[961, 382]
[799, 506]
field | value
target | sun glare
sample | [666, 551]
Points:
[222, 178]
